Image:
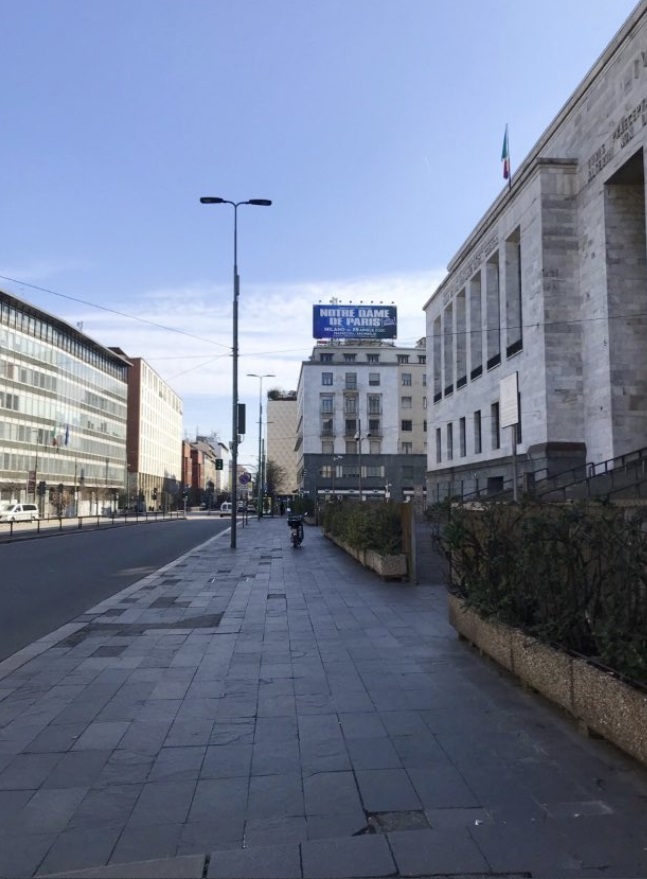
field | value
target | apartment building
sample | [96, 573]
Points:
[281, 437]
[362, 420]
[547, 296]
[63, 412]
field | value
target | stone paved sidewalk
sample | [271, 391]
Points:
[270, 712]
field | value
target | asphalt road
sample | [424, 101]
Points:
[50, 580]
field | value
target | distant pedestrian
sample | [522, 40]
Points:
[282, 508]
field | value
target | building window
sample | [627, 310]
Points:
[403, 358]
[374, 404]
[437, 360]
[439, 446]
[372, 358]
[326, 471]
[406, 402]
[493, 312]
[476, 328]
[406, 379]
[325, 357]
[496, 429]
[406, 425]
[351, 426]
[478, 443]
[349, 358]
[374, 470]
[422, 358]
[375, 446]
[327, 427]
[350, 381]
[327, 447]
[374, 426]
[461, 437]
[350, 405]
[424, 425]
[327, 403]
[351, 449]
[450, 442]
[460, 342]
[407, 448]
[326, 378]
[513, 295]
[374, 378]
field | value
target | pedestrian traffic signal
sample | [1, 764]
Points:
[219, 463]
[42, 488]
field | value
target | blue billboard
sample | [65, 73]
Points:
[354, 322]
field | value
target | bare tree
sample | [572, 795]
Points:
[274, 476]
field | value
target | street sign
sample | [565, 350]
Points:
[244, 478]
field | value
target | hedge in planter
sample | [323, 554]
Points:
[573, 576]
[372, 525]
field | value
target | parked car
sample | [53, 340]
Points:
[225, 509]
[19, 513]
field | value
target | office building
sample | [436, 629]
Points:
[63, 413]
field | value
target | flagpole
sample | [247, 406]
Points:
[505, 158]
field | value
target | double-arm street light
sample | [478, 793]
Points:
[260, 475]
[260, 202]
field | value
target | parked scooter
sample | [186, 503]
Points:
[295, 523]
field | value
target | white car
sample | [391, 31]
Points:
[225, 509]
[19, 513]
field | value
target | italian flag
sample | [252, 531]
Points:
[505, 155]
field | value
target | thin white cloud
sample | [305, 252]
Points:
[275, 331]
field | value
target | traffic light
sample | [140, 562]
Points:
[219, 464]
[241, 417]
[42, 488]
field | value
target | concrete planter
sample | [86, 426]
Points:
[389, 567]
[597, 699]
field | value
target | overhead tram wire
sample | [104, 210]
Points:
[142, 320]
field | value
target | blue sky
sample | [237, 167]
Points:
[375, 126]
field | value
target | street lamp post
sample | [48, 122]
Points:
[259, 475]
[359, 438]
[334, 467]
[261, 202]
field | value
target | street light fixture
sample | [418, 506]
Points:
[259, 202]
[359, 438]
[259, 474]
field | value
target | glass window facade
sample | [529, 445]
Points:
[63, 405]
